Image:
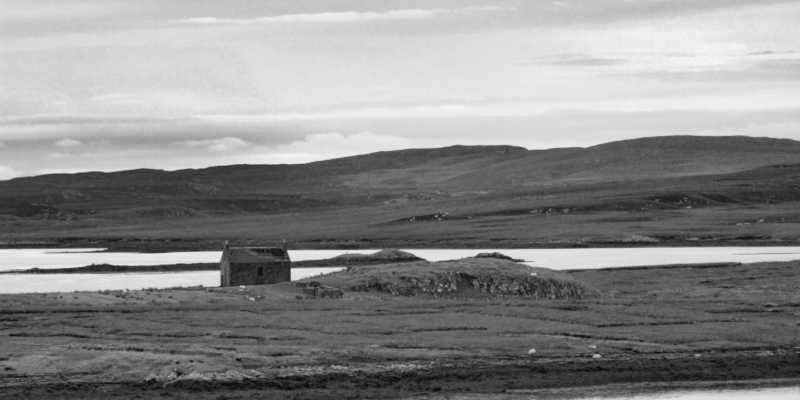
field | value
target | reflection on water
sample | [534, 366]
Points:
[742, 390]
[561, 259]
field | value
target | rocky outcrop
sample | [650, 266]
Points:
[316, 289]
[455, 284]
[488, 277]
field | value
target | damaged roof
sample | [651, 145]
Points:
[250, 255]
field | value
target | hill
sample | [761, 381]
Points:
[476, 192]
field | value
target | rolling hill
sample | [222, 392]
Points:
[362, 195]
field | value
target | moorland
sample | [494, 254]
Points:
[375, 338]
[685, 323]
[662, 191]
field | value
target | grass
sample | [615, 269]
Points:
[649, 325]
[654, 310]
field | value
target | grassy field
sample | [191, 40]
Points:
[371, 227]
[712, 322]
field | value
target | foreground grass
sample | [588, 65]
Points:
[275, 333]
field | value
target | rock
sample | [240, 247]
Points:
[597, 356]
[360, 288]
[532, 352]
[769, 305]
[317, 290]
[593, 347]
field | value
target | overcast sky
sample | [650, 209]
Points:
[104, 85]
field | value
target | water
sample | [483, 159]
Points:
[561, 259]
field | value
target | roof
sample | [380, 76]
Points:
[251, 255]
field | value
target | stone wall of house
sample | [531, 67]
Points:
[247, 274]
[224, 271]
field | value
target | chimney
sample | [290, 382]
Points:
[226, 246]
[284, 245]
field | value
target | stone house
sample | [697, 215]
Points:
[254, 265]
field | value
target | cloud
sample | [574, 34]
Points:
[433, 110]
[770, 52]
[622, 10]
[220, 145]
[28, 10]
[345, 16]
[761, 71]
[8, 173]
[574, 60]
[68, 143]
[58, 156]
[334, 144]
[761, 53]
[46, 119]
[117, 99]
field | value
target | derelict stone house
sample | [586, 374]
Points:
[254, 265]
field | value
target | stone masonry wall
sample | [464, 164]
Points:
[247, 274]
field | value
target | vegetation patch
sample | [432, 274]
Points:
[470, 277]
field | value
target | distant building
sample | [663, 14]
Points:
[254, 265]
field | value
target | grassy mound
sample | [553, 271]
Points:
[383, 255]
[387, 256]
[469, 277]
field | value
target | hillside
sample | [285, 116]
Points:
[480, 192]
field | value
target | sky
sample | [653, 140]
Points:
[108, 85]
